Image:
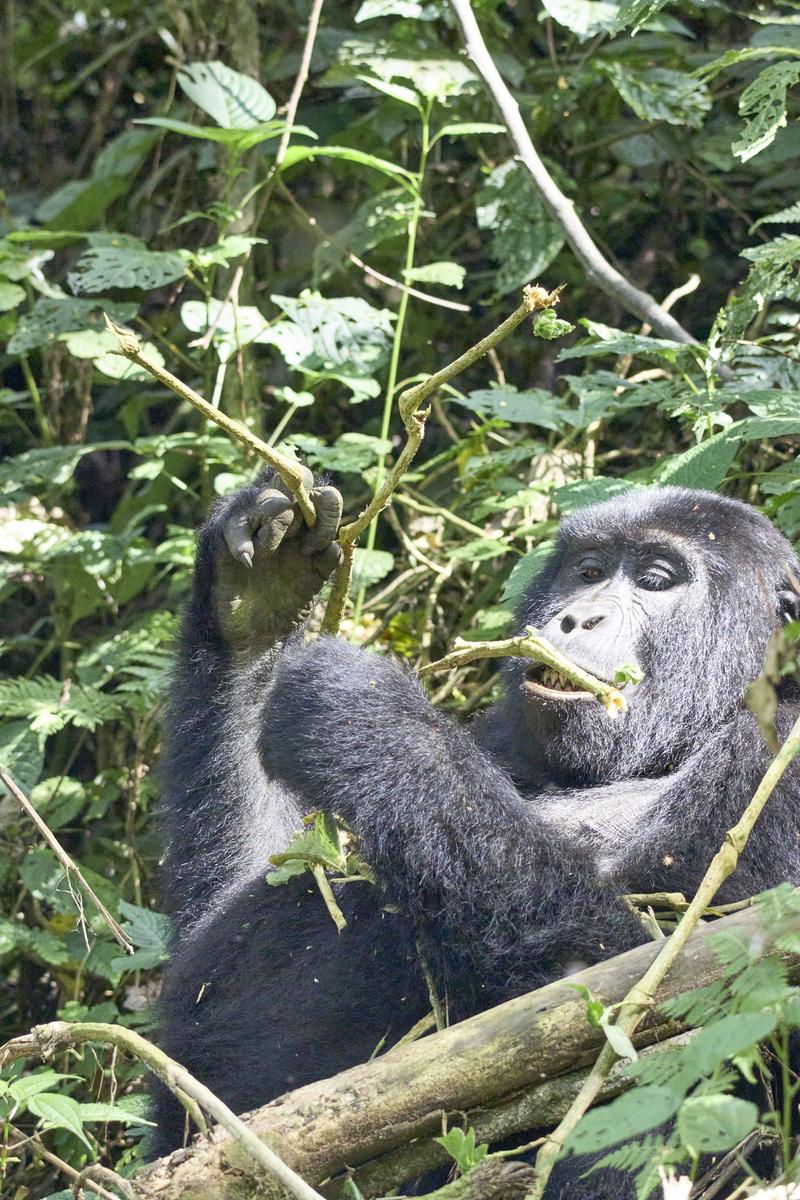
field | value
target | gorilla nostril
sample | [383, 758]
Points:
[591, 622]
[567, 624]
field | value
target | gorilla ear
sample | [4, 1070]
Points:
[789, 599]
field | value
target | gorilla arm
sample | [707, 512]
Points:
[257, 571]
[502, 904]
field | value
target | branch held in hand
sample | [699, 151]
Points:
[531, 645]
[534, 299]
[289, 471]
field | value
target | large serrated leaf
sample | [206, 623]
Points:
[534, 406]
[525, 238]
[233, 100]
[661, 95]
[59, 1112]
[708, 1124]
[704, 466]
[104, 267]
[633, 1113]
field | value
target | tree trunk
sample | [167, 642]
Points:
[517, 1065]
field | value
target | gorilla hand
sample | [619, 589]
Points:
[266, 564]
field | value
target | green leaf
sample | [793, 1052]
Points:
[763, 104]
[631, 1114]
[461, 1147]
[21, 754]
[395, 90]
[59, 1112]
[318, 845]
[712, 1123]
[233, 100]
[112, 1112]
[239, 140]
[106, 267]
[369, 567]
[703, 466]
[617, 341]
[525, 238]
[298, 154]
[81, 203]
[26, 1086]
[535, 406]
[782, 251]
[584, 492]
[619, 1041]
[11, 295]
[584, 18]
[50, 318]
[480, 550]
[549, 326]
[149, 932]
[354, 452]
[784, 216]
[731, 1035]
[525, 571]
[115, 366]
[467, 129]
[633, 14]
[660, 94]
[412, 10]
[448, 274]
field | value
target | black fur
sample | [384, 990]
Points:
[506, 848]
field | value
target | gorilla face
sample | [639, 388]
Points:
[667, 581]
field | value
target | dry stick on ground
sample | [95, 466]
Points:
[67, 863]
[641, 996]
[560, 206]
[531, 645]
[46, 1040]
[414, 417]
[505, 1068]
[289, 471]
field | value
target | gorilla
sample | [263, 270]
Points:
[502, 850]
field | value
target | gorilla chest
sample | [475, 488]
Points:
[608, 824]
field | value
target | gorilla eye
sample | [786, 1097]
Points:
[591, 573]
[657, 578]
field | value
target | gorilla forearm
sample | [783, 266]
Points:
[257, 570]
[503, 903]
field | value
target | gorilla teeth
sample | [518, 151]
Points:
[556, 681]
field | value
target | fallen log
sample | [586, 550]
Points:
[510, 1069]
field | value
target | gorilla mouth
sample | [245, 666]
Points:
[545, 681]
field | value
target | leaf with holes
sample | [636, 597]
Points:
[104, 267]
[763, 104]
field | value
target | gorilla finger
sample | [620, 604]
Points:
[306, 478]
[238, 535]
[269, 503]
[272, 532]
[327, 502]
[328, 560]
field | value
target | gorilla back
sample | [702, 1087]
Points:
[503, 850]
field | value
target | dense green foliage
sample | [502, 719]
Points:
[139, 179]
